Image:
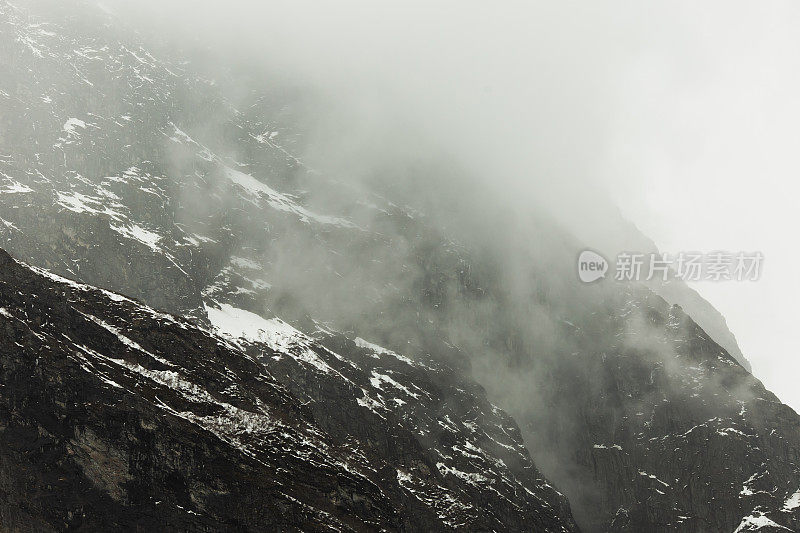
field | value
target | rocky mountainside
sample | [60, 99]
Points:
[675, 435]
[124, 167]
[117, 415]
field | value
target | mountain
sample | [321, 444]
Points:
[115, 415]
[376, 317]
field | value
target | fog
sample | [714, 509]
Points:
[529, 131]
[679, 112]
[521, 96]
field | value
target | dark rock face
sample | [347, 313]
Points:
[110, 175]
[114, 415]
[680, 437]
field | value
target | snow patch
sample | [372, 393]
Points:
[605, 447]
[274, 332]
[71, 124]
[281, 201]
[651, 476]
[746, 490]
[470, 477]
[792, 503]
[378, 379]
[138, 233]
[361, 343]
[125, 340]
[15, 187]
[756, 521]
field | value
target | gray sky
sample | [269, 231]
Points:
[709, 134]
[685, 112]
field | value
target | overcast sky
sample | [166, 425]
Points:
[710, 132]
[686, 112]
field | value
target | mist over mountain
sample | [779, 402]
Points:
[349, 287]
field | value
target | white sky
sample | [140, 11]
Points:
[715, 141]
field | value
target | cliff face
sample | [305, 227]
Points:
[115, 415]
[677, 436]
[125, 169]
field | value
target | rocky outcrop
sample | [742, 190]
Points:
[680, 437]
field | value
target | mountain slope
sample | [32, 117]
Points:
[675, 435]
[137, 174]
[116, 415]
